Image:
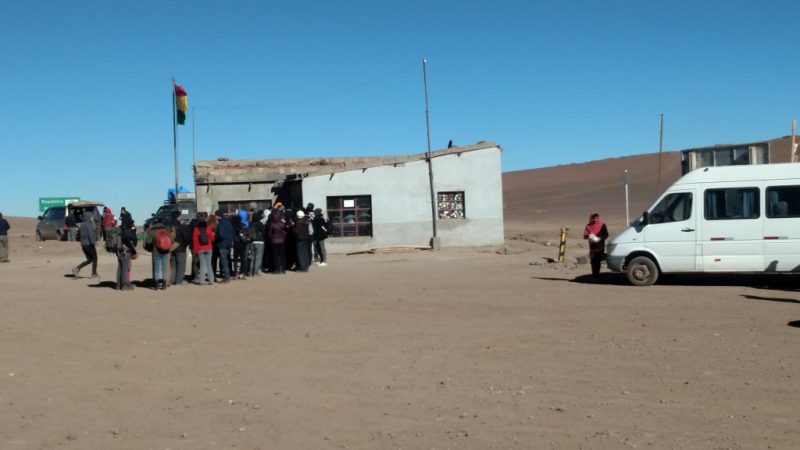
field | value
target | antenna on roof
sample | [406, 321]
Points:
[660, 148]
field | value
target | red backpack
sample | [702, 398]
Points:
[163, 240]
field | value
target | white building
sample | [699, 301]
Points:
[372, 201]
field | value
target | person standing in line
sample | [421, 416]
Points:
[127, 230]
[4, 227]
[88, 240]
[123, 253]
[321, 228]
[596, 233]
[276, 235]
[224, 239]
[202, 244]
[182, 236]
[256, 244]
[302, 235]
[159, 249]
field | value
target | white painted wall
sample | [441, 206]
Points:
[401, 201]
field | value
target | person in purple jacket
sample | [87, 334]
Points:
[276, 234]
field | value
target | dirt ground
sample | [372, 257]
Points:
[460, 349]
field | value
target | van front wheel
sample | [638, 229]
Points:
[642, 271]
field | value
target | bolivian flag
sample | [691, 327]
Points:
[181, 104]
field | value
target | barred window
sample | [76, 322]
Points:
[451, 205]
[350, 216]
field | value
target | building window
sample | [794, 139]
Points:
[731, 203]
[229, 208]
[350, 216]
[783, 201]
[451, 205]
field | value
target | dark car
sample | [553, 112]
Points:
[53, 224]
[164, 214]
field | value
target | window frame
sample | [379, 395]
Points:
[337, 211]
[769, 206]
[451, 205]
[755, 208]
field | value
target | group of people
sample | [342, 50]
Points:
[222, 247]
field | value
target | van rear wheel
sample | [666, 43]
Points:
[642, 271]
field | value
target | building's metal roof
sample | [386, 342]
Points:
[746, 144]
[279, 169]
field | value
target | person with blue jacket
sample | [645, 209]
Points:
[224, 239]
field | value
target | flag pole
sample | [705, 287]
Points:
[175, 137]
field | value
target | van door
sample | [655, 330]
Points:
[671, 231]
[732, 235]
[782, 229]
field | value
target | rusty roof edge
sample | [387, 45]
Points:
[343, 163]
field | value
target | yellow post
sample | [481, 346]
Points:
[562, 247]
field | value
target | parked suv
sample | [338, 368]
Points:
[53, 223]
[164, 214]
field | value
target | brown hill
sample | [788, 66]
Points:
[549, 197]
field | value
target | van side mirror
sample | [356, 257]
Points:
[645, 218]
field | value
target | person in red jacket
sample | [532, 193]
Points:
[202, 244]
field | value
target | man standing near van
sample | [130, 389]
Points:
[4, 227]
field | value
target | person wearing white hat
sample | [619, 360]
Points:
[302, 236]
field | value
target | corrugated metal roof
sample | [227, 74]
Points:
[267, 170]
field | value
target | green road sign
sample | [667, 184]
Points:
[46, 202]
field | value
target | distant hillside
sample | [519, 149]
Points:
[567, 194]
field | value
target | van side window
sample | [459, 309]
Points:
[783, 201]
[732, 204]
[672, 208]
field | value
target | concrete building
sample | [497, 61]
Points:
[776, 150]
[372, 201]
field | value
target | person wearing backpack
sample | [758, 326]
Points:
[202, 244]
[159, 243]
[182, 235]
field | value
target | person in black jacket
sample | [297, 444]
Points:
[321, 229]
[182, 236]
[302, 235]
[224, 239]
[256, 244]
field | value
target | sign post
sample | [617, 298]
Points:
[627, 209]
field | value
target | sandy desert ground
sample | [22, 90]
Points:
[459, 349]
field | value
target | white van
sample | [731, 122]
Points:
[716, 219]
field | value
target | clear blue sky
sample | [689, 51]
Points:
[85, 87]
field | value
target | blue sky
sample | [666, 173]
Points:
[86, 86]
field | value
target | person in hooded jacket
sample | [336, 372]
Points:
[321, 229]
[596, 233]
[128, 251]
[276, 235]
[224, 239]
[256, 244]
[302, 236]
[182, 236]
[202, 247]
[88, 240]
